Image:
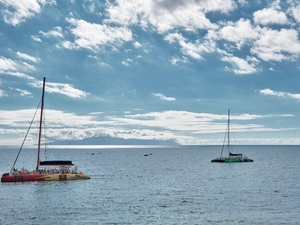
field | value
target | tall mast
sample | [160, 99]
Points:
[40, 129]
[228, 135]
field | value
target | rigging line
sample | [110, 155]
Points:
[236, 146]
[224, 141]
[48, 148]
[57, 156]
[59, 121]
[25, 137]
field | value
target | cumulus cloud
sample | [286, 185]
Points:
[16, 12]
[170, 18]
[239, 32]
[192, 49]
[92, 36]
[180, 22]
[270, 92]
[270, 16]
[166, 15]
[273, 45]
[242, 66]
[296, 12]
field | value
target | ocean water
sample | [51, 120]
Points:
[172, 185]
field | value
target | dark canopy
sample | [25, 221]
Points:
[56, 163]
[232, 154]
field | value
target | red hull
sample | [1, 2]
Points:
[22, 177]
[43, 177]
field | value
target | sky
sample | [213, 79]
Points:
[161, 71]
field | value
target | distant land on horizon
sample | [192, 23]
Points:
[114, 141]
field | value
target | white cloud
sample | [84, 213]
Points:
[23, 92]
[170, 17]
[64, 89]
[270, 16]
[182, 126]
[15, 68]
[176, 59]
[8, 64]
[37, 39]
[28, 57]
[239, 32]
[274, 45]
[67, 45]
[243, 2]
[242, 66]
[125, 63]
[137, 44]
[193, 50]
[2, 93]
[166, 15]
[62, 125]
[104, 64]
[17, 12]
[296, 12]
[126, 12]
[270, 92]
[162, 97]
[185, 126]
[92, 35]
[203, 5]
[55, 32]
[279, 94]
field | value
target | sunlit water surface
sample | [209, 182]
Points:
[172, 185]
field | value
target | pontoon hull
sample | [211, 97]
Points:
[226, 160]
[41, 177]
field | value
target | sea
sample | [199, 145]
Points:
[157, 185]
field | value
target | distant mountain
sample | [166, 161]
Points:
[114, 141]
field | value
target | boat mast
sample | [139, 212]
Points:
[228, 135]
[40, 129]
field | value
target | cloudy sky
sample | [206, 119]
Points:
[152, 69]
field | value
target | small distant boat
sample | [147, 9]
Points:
[54, 170]
[231, 158]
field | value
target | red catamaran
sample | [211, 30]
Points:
[55, 170]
